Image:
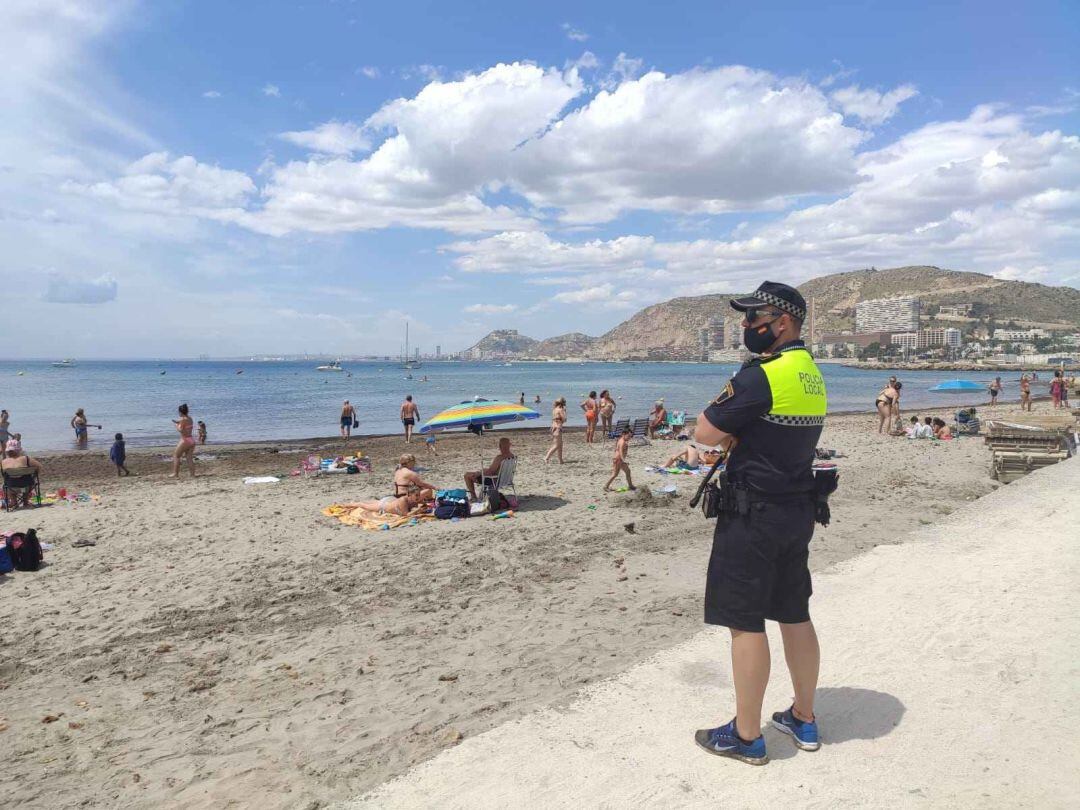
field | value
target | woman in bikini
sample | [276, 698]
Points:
[558, 419]
[186, 446]
[391, 505]
[79, 425]
[1025, 393]
[607, 411]
[407, 481]
[592, 411]
[887, 398]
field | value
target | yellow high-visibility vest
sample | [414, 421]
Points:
[798, 389]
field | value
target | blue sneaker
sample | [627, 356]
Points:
[725, 742]
[804, 735]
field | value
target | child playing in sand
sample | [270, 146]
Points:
[202, 432]
[429, 442]
[618, 461]
[118, 455]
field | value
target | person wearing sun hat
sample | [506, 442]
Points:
[769, 417]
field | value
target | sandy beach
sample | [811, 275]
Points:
[224, 644]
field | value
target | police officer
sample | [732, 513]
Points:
[770, 417]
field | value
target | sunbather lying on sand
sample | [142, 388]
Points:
[691, 458]
[393, 506]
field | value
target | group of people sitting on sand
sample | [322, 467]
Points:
[412, 491]
[929, 428]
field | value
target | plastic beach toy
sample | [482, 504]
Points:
[509, 513]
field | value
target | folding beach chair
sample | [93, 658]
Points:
[503, 481]
[21, 484]
[617, 429]
[640, 430]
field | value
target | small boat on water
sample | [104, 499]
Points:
[68, 363]
[334, 366]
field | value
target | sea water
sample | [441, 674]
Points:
[252, 401]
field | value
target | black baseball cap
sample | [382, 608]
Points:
[771, 293]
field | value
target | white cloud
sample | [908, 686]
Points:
[369, 71]
[870, 106]
[490, 309]
[271, 90]
[331, 138]
[446, 146]
[600, 296]
[211, 94]
[573, 33]
[980, 194]
[705, 141]
[587, 61]
[623, 69]
[65, 289]
[158, 184]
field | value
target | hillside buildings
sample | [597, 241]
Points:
[888, 315]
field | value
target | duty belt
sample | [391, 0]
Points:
[724, 495]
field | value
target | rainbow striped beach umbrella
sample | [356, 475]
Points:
[478, 414]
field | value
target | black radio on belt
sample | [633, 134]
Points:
[720, 495]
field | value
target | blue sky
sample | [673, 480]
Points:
[179, 178]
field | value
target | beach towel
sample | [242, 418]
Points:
[673, 471]
[352, 515]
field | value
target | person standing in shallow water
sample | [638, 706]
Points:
[80, 425]
[348, 416]
[409, 414]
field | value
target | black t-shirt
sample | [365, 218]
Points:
[771, 458]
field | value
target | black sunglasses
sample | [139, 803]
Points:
[753, 313]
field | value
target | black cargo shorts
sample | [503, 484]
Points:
[758, 568]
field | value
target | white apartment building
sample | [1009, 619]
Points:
[928, 338]
[905, 340]
[948, 337]
[1013, 335]
[888, 315]
[956, 310]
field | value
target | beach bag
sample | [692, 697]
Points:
[497, 502]
[25, 550]
[447, 509]
[6, 565]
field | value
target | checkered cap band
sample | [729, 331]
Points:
[794, 421]
[781, 304]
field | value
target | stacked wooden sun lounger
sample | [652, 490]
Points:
[1021, 447]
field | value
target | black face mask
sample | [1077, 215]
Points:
[760, 338]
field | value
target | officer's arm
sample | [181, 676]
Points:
[745, 398]
[705, 432]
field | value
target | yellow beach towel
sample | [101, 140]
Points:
[352, 515]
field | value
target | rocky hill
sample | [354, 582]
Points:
[1021, 302]
[574, 344]
[672, 329]
[504, 342]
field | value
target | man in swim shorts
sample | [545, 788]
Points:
[409, 414]
[348, 416]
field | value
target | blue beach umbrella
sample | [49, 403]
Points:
[959, 387]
